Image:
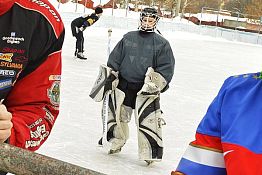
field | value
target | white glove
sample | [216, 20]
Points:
[81, 29]
[149, 89]
[153, 83]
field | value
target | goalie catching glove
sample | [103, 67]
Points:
[154, 83]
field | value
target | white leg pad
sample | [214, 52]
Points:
[149, 126]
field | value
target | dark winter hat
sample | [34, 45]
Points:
[98, 10]
[150, 10]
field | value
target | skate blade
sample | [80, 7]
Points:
[149, 162]
[114, 151]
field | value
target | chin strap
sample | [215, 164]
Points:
[159, 32]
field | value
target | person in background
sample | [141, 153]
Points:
[30, 71]
[78, 25]
[227, 140]
[143, 62]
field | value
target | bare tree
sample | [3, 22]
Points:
[188, 6]
[236, 5]
[170, 5]
[254, 9]
[195, 6]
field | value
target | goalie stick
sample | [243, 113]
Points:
[109, 42]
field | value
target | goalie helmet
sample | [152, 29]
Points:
[148, 19]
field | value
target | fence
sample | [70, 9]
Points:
[173, 26]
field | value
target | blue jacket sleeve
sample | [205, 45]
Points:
[204, 156]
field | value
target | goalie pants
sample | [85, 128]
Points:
[130, 90]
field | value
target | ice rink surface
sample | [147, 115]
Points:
[202, 64]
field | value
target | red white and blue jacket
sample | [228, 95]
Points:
[229, 137]
[31, 38]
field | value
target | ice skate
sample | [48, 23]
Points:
[100, 142]
[81, 56]
[149, 162]
[75, 53]
[114, 151]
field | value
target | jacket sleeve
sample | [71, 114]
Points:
[204, 156]
[34, 104]
[34, 98]
[115, 58]
[166, 62]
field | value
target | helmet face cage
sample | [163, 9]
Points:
[148, 20]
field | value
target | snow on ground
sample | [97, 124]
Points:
[202, 63]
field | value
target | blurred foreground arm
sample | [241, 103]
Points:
[5, 123]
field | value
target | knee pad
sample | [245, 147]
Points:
[118, 141]
[121, 129]
[125, 114]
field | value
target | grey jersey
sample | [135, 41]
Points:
[137, 51]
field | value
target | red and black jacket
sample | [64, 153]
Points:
[31, 39]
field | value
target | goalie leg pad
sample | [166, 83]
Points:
[115, 131]
[115, 137]
[149, 126]
[126, 113]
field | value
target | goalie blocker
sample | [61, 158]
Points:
[148, 114]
